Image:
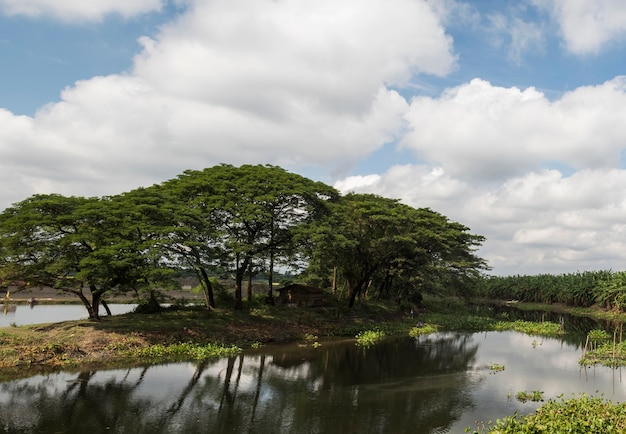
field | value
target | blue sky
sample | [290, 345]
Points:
[506, 116]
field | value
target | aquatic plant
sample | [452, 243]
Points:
[496, 367]
[545, 328]
[422, 329]
[535, 396]
[182, 351]
[581, 414]
[599, 349]
[367, 338]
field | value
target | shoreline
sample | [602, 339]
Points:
[121, 340]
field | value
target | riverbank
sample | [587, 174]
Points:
[596, 311]
[177, 334]
[195, 332]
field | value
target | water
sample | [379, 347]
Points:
[23, 314]
[433, 384]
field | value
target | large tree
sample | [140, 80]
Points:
[372, 239]
[82, 246]
[255, 211]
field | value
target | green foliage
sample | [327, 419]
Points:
[534, 396]
[423, 329]
[496, 367]
[240, 220]
[611, 354]
[598, 336]
[545, 328]
[381, 245]
[581, 289]
[182, 351]
[578, 415]
[367, 338]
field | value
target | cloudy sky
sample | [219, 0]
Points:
[507, 116]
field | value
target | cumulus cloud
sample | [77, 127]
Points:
[487, 132]
[284, 82]
[79, 10]
[486, 153]
[587, 26]
[541, 221]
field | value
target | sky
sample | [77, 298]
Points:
[508, 116]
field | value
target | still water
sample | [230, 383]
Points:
[433, 384]
[23, 314]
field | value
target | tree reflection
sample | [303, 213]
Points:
[403, 385]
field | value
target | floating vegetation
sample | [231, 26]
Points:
[311, 340]
[423, 329]
[545, 328]
[496, 367]
[534, 396]
[580, 414]
[367, 338]
[600, 349]
[182, 351]
[474, 323]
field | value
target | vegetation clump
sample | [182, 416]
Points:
[580, 415]
[599, 349]
[496, 367]
[534, 396]
[367, 338]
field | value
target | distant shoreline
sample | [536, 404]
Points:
[51, 295]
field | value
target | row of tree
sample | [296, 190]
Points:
[583, 289]
[235, 219]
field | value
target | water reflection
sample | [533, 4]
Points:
[401, 386]
[437, 383]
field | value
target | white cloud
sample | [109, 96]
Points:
[79, 10]
[538, 222]
[304, 84]
[516, 35]
[487, 132]
[586, 25]
[285, 82]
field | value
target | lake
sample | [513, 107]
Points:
[23, 314]
[440, 383]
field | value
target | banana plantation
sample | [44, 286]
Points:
[582, 289]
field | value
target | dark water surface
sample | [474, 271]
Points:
[433, 384]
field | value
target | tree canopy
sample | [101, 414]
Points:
[235, 220]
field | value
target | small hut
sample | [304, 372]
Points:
[300, 295]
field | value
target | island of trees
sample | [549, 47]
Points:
[238, 221]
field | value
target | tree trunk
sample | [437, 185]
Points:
[354, 291]
[205, 291]
[207, 288]
[96, 295]
[106, 307]
[90, 310]
[250, 282]
[239, 274]
[270, 283]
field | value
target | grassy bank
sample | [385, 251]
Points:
[195, 333]
[178, 334]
